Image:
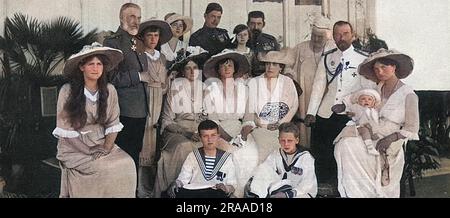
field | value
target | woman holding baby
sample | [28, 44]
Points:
[359, 172]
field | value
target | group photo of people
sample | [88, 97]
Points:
[147, 112]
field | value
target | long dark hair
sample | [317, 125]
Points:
[76, 103]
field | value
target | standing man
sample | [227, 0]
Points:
[129, 78]
[336, 77]
[307, 59]
[259, 41]
[210, 37]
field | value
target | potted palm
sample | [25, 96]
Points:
[33, 54]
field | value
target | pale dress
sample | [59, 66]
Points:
[359, 173]
[112, 175]
[228, 110]
[184, 109]
[269, 107]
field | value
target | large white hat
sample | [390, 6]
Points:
[209, 70]
[404, 68]
[283, 56]
[114, 56]
[186, 20]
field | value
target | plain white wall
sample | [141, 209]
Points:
[421, 29]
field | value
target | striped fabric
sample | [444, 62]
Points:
[209, 165]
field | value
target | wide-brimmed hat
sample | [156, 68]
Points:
[209, 70]
[321, 24]
[283, 56]
[187, 21]
[192, 53]
[165, 33]
[404, 67]
[115, 56]
[370, 92]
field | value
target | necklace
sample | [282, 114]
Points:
[386, 94]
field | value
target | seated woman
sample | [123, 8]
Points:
[288, 172]
[359, 172]
[225, 95]
[274, 101]
[87, 123]
[224, 100]
[182, 112]
[208, 172]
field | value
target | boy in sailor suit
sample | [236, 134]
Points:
[207, 172]
[288, 172]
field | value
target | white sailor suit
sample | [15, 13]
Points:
[335, 78]
[194, 174]
[295, 177]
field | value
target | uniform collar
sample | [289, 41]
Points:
[348, 51]
[123, 32]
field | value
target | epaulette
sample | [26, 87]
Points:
[222, 30]
[361, 52]
[329, 51]
[113, 36]
[265, 35]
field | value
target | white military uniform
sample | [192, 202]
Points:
[341, 85]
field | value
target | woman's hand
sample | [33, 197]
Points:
[99, 153]
[273, 126]
[245, 131]
[384, 143]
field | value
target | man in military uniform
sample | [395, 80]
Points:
[259, 42]
[335, 78]
[128, 78]
[210, 37]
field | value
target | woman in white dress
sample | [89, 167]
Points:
[360, 173]
[273, 101]
[179, 25]
[182, 112]
[87, 123]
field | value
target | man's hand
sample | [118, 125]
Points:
[338, 108]
[245, 131]
[144, 76]
[309, 120]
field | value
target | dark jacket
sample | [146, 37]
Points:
[262, 43]
[130, 90]
[213, 40]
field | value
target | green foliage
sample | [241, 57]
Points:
[371, 44]
[32, 52]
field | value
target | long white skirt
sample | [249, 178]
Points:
[359, 173]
